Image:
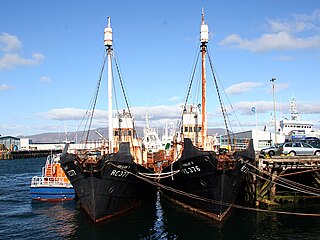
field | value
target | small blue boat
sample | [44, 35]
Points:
[52, 185]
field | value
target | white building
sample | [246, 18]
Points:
[261, 139]
[26, 144]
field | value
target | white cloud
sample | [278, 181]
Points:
[244, 108]
[174, 98]
[275, 41]
[158, 114]
[278, 87]
[309, 108]
[9, 43]
[284, 58]
[311, 19]
[242, 87]
[282, 35]
[11, 60]
[4, 87]
[45, 79]
[159, 119]
[72, 114]
[279, 26]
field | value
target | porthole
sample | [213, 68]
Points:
[110, 191]
[203, 183]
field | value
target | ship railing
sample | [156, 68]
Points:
[50, 182]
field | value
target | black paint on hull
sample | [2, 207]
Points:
[206, 189]
[112, 188]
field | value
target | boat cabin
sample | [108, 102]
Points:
[123, 131]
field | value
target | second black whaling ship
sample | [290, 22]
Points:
[202, 180]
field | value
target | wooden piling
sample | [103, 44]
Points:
[274, 173]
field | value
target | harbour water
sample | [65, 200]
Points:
[22, 218]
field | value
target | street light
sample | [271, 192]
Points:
[274, 110]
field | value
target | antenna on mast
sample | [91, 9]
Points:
[204, 38]
[108, 35]
[108, 44]
[204, 30]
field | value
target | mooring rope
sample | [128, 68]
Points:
[159, 175]
[311, 170]
[289, 187]
[204, 199]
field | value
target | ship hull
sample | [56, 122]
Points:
[200, 186]
[52, 194]
[115, 188]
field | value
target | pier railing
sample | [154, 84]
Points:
[50, 182]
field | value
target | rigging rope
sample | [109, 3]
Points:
[189, 89]
[158, 176]
[125, 96]
[220, 100]
[90, 112]
[190, 83]
[231, 106]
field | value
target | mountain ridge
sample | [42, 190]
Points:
[59, 137]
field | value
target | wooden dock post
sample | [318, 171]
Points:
[293, 170]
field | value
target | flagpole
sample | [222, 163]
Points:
[254, 110]
[274, 111]
[256, 119]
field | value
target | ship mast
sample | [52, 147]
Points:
[108, 44]
[204, 38]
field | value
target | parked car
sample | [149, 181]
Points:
[299, 148]
[272, 150]
[313, 141]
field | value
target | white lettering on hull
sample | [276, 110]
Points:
[119, 173]
[190, 170]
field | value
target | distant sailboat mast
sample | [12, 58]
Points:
[108, 44]
[204, 38]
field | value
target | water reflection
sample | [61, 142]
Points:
[21, 218]
[183, 224]
[159, 229]
[262, 225]
[55, 219]
[135, 224]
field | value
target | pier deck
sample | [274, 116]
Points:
[4, 155]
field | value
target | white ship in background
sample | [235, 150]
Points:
[295, 128]
[151, 140]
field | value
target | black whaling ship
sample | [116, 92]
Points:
[108, 180]
[204, 179]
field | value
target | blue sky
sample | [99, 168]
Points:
[51, 54]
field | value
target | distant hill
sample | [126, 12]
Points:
[219, 131]
[59, 137]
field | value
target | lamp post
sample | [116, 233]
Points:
[274, 110]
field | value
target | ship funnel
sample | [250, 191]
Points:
[108, 35]
[204, 31]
